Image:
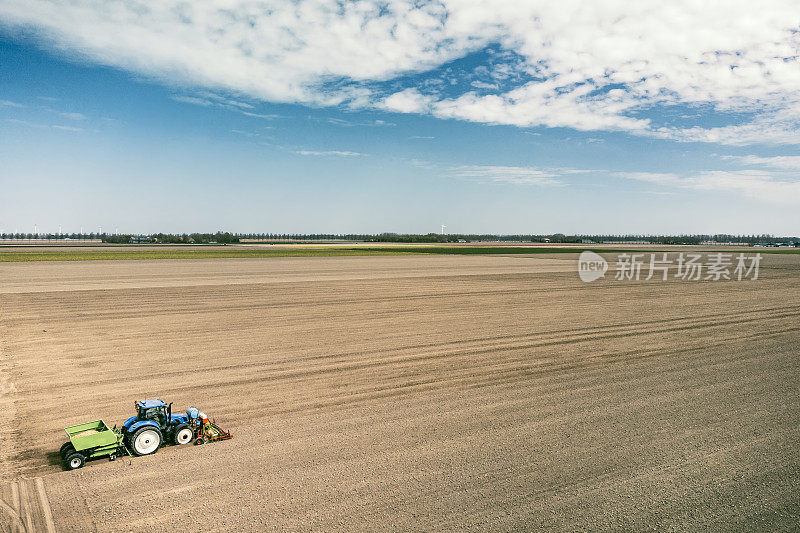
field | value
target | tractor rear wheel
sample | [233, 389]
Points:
[75, 460]
[183, 434]
[146, 440]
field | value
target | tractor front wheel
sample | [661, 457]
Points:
[75, 460]
[146, 440]
[183, 434]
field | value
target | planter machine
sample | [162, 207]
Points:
[143, 434]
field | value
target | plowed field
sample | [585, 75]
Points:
[404, 393]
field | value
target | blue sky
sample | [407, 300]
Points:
[485, 135]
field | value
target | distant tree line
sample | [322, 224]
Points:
[555, 238]
[51, 236]
[219, 237]
[558, 238]
[191, 238]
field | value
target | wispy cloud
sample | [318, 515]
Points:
[763, 185]
[246, 133]
[338, 153]
[30, 124]
[421, 163]
[66, 128]
[231, 102]
[511, 174]
[24, 123]
[73, 116]
[9, 103]
[483, 85]
[785, 162]
[194, 100]
[260, 115]
[208, 99]
[780, 126]
[350, 124]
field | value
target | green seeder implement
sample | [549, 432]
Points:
[91, 440]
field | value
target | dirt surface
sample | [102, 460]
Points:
[407, 393]
[24, 507]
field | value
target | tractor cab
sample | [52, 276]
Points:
[155, 410]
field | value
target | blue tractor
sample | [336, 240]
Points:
[154, 425]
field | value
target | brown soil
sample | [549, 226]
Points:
[407, 393]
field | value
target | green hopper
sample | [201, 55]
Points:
[91, 440]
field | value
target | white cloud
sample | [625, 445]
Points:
[651, 177]
[208, 99]
[66, 128]
[407, 101]
[9, 103]
[784, 162]
[221, 100]
[73, 116]
[762, 185]
[772, 127]
[24, 123]
[350, 124]
[260, 115]
[194, 100]
[328, 153]
[509, 174]
[558, 102]
[483, 85]
[582, 65]
[42, 126]
[251, 134]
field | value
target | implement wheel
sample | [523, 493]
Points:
[75, 460]
[66, 449]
